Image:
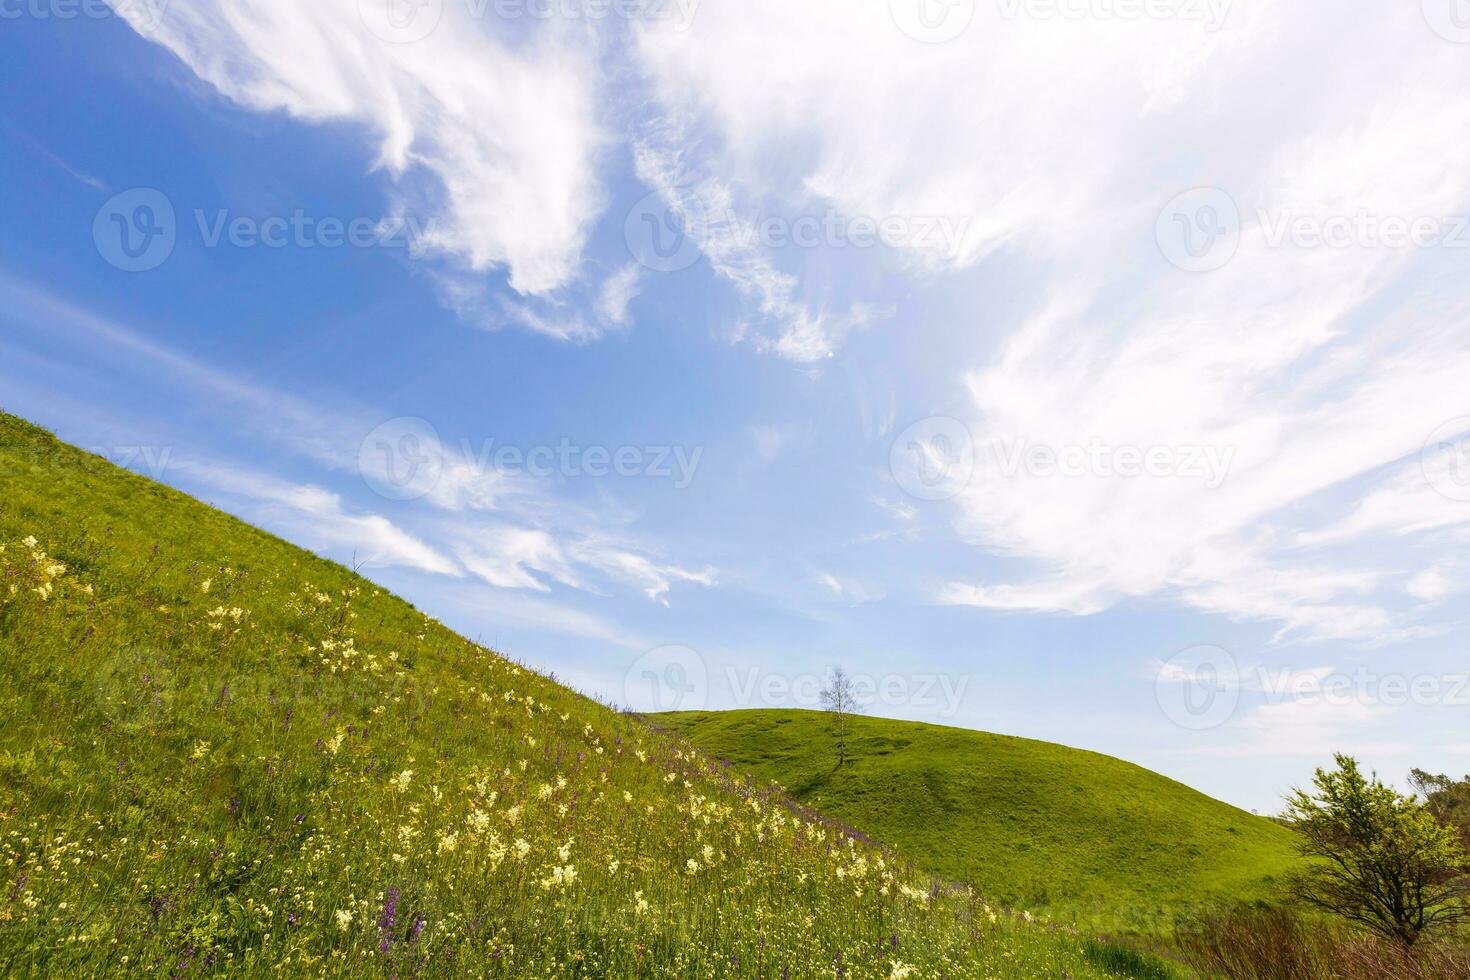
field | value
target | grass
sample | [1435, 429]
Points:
[224, 756]
[1082, 836]
[1278, 944]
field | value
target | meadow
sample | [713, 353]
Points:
[225, 756]
[1088, 839]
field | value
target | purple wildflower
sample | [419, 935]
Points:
[385, 921]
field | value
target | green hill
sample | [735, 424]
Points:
[224, 756]
[1083, 835]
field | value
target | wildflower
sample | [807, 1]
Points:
[560, 877]
[400, 782]
[344, 919]
[900, 971]
[201, 749]
[30, 542]
[385, 921]
[640, 906]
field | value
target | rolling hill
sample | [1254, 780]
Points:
[224, 756]
[1085, 836]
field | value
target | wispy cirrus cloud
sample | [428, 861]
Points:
[454, 511]
[316, 517]
[498, 137]
[1316, 369]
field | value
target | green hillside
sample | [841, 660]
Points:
[223, 756]
[1083, 835]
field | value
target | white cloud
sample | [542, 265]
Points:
[1430, 585]
[848, 589]
[654, 577]
[316, 517]
[1266, 362]
[1318, 372]
[508, 528]
[1311, 728]
[534, 614]
[617, 291]
[898, 508]
[705, 205]
[479, 304]
[507, 132]
[511, 557]
[771, 441]
[1059, 141]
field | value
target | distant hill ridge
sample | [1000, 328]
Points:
[1032, 824]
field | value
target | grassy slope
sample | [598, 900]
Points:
[1081, 834]
[223, 755]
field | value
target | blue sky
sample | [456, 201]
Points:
[1071, 372]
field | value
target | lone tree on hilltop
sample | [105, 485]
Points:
[839, 698]
[1377, 857]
